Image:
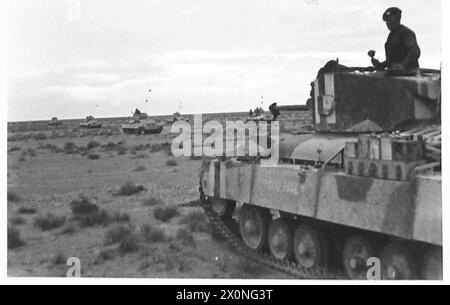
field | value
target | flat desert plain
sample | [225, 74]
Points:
[121, 204]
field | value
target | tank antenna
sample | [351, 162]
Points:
[147, 100]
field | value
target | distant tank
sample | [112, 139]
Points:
[147, 126]
[54, 122]
[90, 122]
[178, 117]
[364, 187]
[140, 123]
[258, 115]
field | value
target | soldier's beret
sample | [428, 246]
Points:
[392, 11]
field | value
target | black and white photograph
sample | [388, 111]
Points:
[288, 141]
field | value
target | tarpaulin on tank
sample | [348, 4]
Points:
[320, 148]
[384, 100]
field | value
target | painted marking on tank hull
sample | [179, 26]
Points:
[280, 186]
[353, 188]
[400, 211]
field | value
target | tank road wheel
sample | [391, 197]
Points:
[309, 246]
[396, 263]
[357, 250]
[280, 239]
[253, 222]
[222, 207]
[432, 264]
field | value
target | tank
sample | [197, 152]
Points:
[90, 122]
[355, 195]
[178, 117]
[140, 123]
[258, 115]
[54, 122]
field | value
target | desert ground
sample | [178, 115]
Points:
[120, 203]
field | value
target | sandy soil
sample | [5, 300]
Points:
[46, 174]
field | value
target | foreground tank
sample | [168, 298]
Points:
[90, 122]
[365, 184]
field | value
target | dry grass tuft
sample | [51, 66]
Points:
[69, 229]
[152, 201]
[70, 148]
[49, 221]
[83, 206]
[18, 221]
[186, 237]
[140, 168]
[165, 214]
[117, 234]
[171, 162]
[58, 259]
[129, 244]
[152, 234]
[129, 189]
[14, 239]
[93, 144]
[26, 211]
[94, 156]
[13, 197]
[98, 218]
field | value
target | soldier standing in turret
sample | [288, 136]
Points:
[402, 50]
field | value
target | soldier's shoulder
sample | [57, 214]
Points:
[405, 29]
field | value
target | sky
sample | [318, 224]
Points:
[73, 58]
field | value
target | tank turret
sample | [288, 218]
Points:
[90, 122]
[346, 100]
[54, 122]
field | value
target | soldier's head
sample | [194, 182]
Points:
[392, 17]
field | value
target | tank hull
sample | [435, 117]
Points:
[133, 129]
[91, 125]
[155, 130]
[54, 123]
[400, 209]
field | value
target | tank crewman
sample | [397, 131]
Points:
[274, 110]
[402, 50]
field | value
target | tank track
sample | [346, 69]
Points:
[260, 257]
